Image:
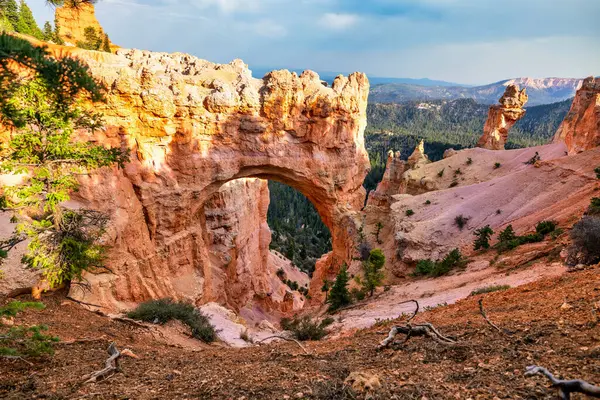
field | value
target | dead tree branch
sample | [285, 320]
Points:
[482, 311]
[284, 338]
[565, 388]
[424, 329]
[111, 365]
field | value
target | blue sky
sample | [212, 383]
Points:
[465, 41]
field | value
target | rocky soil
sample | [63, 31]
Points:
[551, 323]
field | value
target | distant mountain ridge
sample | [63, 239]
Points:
[540, 91]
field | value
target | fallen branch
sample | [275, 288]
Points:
[111, 364]
[83, 303]
[17, 358]
[482, 311]
[284, 338]
[424, 329]
[565, 388]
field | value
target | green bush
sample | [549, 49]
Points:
[305, 328]
[483, 238]
[469, 161]
[24, 340]
[497, 165]
[164, 310]
[536, 157]
[490, 289]
[507, 234]
[373, 272]
[358, 294]
[428, 202]
[409, 213]
[454, 183]
[594, 208]
[457, 172]
[545, 227]
[441, 173]
[453, 260]
[597, 171]
[339, 296]
[424, 267]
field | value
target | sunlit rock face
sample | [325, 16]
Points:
[192, 126]
[580, 129]
[502, 117]
[72, 22]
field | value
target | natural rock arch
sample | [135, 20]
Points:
[192, 126]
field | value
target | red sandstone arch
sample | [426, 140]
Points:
[191, 127]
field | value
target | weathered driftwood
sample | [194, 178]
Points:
[423, 329]
[565, 387]
[482, 311]
[111, 365]
[284, 338]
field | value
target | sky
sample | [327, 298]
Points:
[463, 41]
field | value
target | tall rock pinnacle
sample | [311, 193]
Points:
[502, 117]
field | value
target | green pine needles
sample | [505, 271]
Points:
[45, 111]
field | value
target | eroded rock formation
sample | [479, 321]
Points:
[580, 129]
[502, 117]
[72, 22]
[192, 126]
[391, 182]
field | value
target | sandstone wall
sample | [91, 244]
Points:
[580, 129]
[73, 21]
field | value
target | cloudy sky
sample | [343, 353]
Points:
[465, 41]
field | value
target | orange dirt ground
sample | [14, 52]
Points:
[484, 365]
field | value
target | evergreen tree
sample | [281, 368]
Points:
[44, 112]
[56, 37]
[373, 274]
[26, 23]
[106, 44]
[507, 234]
[339, 295]
[483, 238]
[10, 9]
[48, 33]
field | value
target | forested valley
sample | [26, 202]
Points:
[298, 231]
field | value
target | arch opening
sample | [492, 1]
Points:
[263, 240]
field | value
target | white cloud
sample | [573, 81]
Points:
[338, 21]
[229, 6]
[270, 29]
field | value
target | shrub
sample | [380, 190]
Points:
[424, 267]
[245, 336]
[594, 208]
[24, 340]
[358, 294]
[461, 221]
[373, 274]
[545, 227]
[428, 202]
[536, 157]
[585, 236]
[164, 310]
[497, 165]
[325, 288]
[597, 171]
[489, 289]
[339, 295]
[292, 284]
[305, 328]
[441, 173]
[458, 172]
[498, 211]
[378, 228]
[409, 212]
[483, 238]
[281, 274]
[453, 260]
[507, 234]
[469, 161]
[454, 183]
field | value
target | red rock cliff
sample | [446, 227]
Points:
[580, 129]
[193, 126]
